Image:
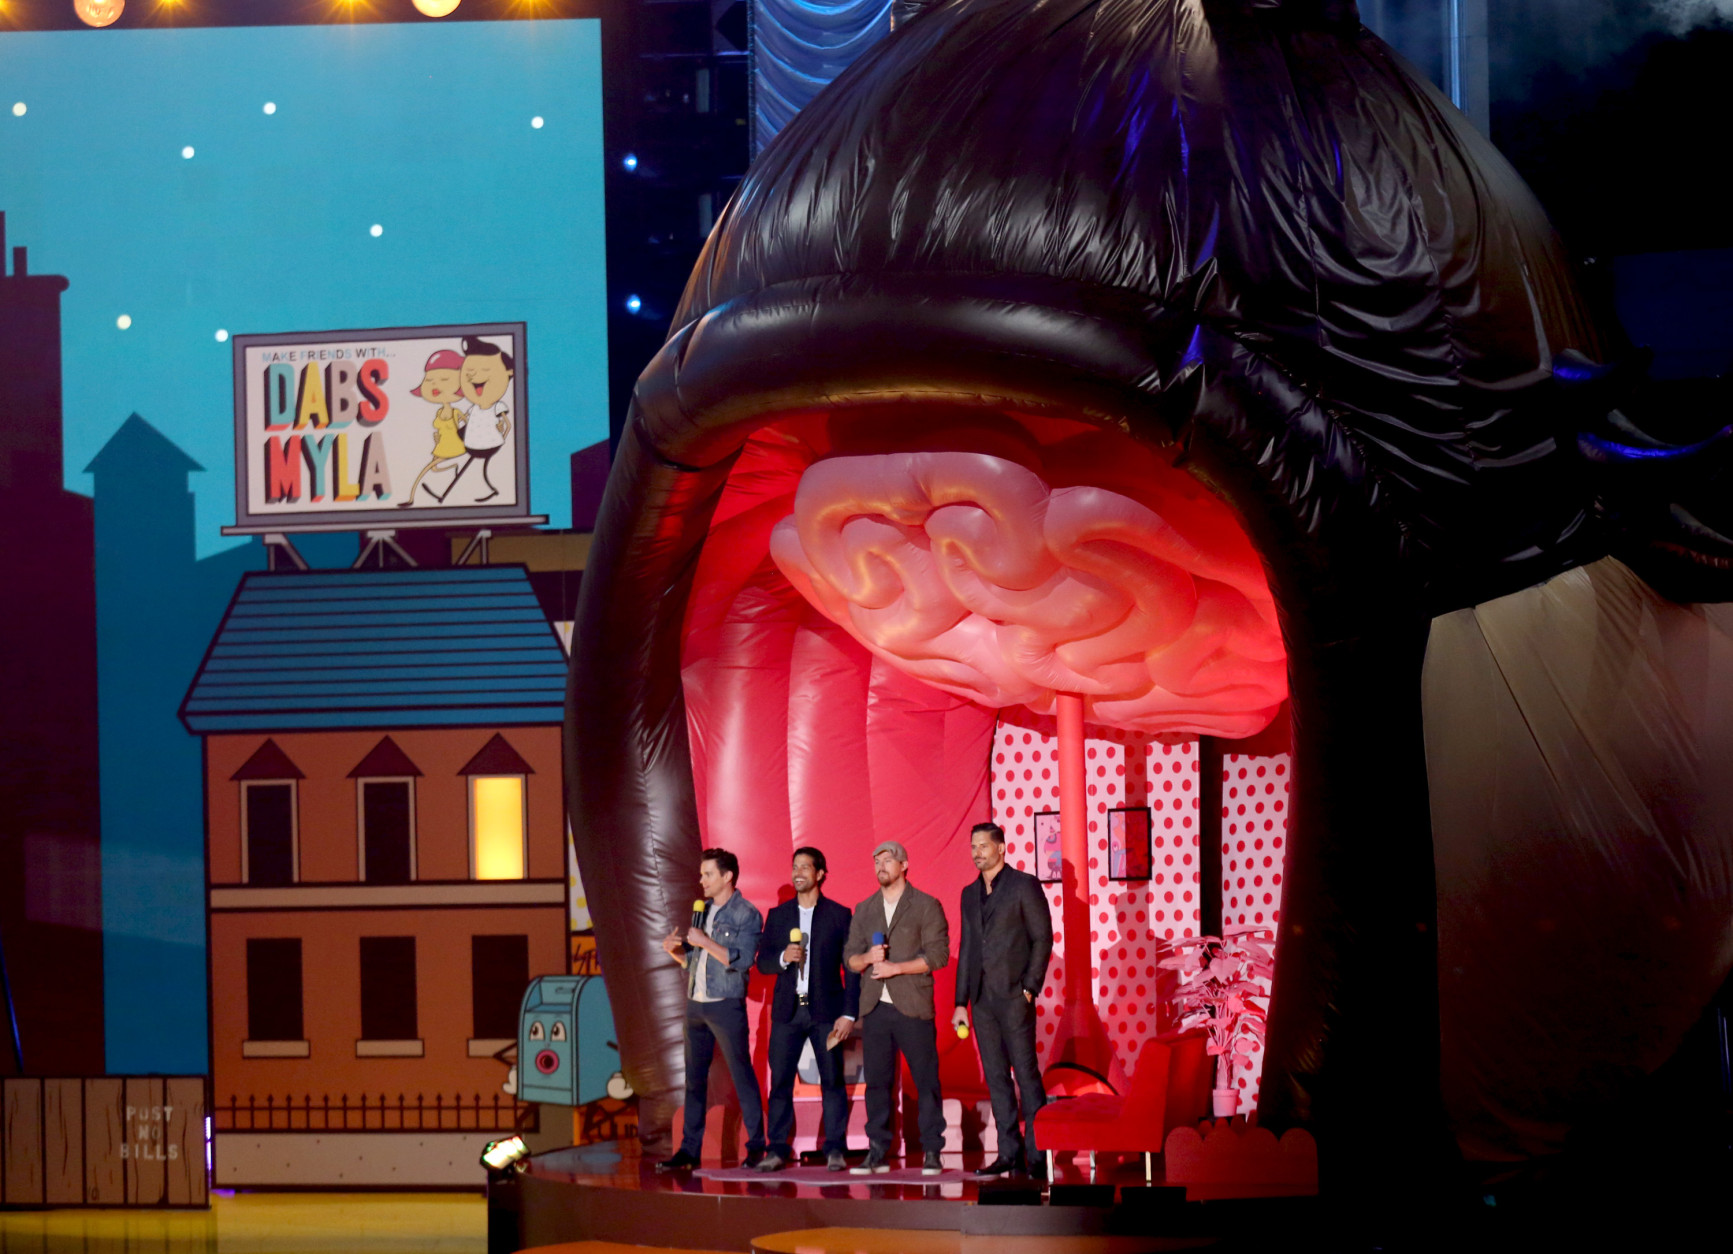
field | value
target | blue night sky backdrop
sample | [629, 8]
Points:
[424, 130]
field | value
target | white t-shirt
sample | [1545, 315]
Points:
[701, 981]
[800, 981]
[890, 913]
[482, 431]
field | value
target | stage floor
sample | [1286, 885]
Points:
[608, 1193]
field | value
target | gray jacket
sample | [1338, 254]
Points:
[735, 927]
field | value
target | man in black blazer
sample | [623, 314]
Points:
[1001, 964]
[815, 1000]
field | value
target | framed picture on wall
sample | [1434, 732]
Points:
[1047, 858]
[1128, 853]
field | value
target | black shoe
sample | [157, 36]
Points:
[875, 1165]
[1036, 1167]
[834, 1161]
[771, 1162]
[1000, 1167]
[754, 1158]
[682, 1161]
[930, 1165]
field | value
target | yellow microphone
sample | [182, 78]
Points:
[794, 936]
[698, 913]
[963, 1030]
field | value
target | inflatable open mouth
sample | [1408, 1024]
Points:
[1187, 359]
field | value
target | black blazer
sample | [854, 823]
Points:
[832, 996]
[1014, 956]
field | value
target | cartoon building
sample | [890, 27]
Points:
[50, 860]
[387, 866]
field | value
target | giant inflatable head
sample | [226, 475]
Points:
[1190, 355]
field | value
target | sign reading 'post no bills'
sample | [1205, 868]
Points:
[407, 427]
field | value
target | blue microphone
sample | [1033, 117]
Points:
[878, 938]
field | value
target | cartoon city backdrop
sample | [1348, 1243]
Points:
[284, 807]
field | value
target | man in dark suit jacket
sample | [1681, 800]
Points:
[815, 1000]
[1001, 965]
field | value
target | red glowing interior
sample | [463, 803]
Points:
[877, 584]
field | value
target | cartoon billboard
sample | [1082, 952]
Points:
[409, 427]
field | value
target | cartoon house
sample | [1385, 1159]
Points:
[387, 867]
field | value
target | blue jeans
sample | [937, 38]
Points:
[709, 1024]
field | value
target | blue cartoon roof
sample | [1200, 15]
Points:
[407, 648]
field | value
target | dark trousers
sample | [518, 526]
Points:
[1005, 1035]
[481, 455]
[885, 1033]
[786, 1042]
[709, 1024]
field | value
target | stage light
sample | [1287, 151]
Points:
[124, 321]
[375, 230]
[20, 109]
[501, 1154]
[536, 122]
[435, 8]
[633, 304]
[187, 152]
[98, 12]
[222, 336]
[630, 161]
[270, 107]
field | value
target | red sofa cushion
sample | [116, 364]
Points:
[1170, 1086]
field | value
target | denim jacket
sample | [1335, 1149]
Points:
[735, 927]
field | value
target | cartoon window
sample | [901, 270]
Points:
[498, 812]
[388, 1001]
[268, 852]
[274, 989]
[270, 786]
[387, 830]
[385, 814]
[499, 968]
[496, 824]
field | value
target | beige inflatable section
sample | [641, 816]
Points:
[1579, 741]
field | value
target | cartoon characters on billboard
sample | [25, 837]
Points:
[480, 377]
[441, 384]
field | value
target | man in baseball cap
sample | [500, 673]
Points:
[897, 939]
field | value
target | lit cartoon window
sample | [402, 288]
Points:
[498, 812]
[496, 809]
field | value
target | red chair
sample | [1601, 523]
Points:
[1170, 1088]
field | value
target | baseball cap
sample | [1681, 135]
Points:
[892, 847]
[444, 359]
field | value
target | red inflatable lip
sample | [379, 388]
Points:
[547, 1062]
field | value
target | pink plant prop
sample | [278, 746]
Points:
[1218, 990]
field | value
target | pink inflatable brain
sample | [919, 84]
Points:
[969, 572]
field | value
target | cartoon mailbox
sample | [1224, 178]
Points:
[566, 1051]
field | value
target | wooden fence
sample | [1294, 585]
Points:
[103, 1141]
[375, 1114]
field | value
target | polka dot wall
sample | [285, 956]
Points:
[1254, 838]
[1130, 918]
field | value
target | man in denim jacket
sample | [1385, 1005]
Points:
[718, 956]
